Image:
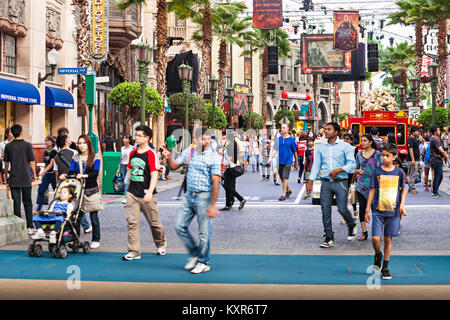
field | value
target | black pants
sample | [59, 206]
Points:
[20, 195]
[362, 206]
[229, 184]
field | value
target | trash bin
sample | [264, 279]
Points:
[110, 164]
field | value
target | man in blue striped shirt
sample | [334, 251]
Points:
[336, 159]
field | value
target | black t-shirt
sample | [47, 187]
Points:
[64, 165]
[19, 154]
[413, 144]
[49, 155]
[109, 142]
[142, 165]
[435, 154]
[73, 146]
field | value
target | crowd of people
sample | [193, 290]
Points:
[380, 177]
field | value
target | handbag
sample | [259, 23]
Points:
[92, 200]
[118, 183]
[183, 187]
[238, 170]
[352, 190]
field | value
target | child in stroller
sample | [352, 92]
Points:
[55, 214]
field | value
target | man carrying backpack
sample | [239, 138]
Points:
[65, 154]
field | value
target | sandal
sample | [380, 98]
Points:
[364, 236]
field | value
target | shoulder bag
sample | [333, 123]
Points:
[183, 187]
[92, 200]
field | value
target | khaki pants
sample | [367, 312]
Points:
[133, 210]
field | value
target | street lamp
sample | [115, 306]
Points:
[250, 101]
[336, 111]
[185, 73]
[52, 57]
[230, 95]
[213, 84]
[432, 72]
[413, 83]
[143, 57]
[401, 93]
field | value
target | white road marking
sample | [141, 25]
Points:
[300, 194]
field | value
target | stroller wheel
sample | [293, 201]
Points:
[86, 247]
[38, 250]
[60, 251]
[75, 247]
[31, 250]
[51, 247]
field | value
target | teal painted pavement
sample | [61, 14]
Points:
[227, 268]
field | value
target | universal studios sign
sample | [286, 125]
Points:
[99, 29]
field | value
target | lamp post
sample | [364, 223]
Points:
[250, 101]
[213, 84]
[432, 72]
[401, 93]
[53, 57]
[185, 73]
[336, 111]
[144, 57]
[413, 83]
[230, 95]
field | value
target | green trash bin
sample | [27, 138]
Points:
[110, 164]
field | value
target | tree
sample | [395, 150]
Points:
[280, 115]
[197, 109]
[442, 117]
[229, 28]
[258, 40]
[398, 59]
[128, 96]
[161, 50]
[220, 119]
[257, 121]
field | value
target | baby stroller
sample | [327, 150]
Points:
[67, 234]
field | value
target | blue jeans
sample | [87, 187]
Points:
[124, 172]
[48, 179]
[326, 200]
[95, 225]
[195, 204]
[438, 175]
[255, 161]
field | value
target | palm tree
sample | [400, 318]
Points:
[398, 59]
[198, 10]
[229, 28]
[161, 50]
[259, 40]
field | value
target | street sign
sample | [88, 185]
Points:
[102, 79]
[414, 113]
[72, 70]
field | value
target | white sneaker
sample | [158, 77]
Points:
[124, 201]
[192, 262]
[95, 245]
[200, 268]
[162, 250]
[31, 231]
[88, 230]
[131, 256]
[52, 237]
[40, 234]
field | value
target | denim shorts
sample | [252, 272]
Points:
[246, 157]
[391, 225]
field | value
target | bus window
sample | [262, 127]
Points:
[382, 131]
[401, 134]
[356, 129]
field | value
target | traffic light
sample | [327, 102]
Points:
[273, 59]
[372, 57]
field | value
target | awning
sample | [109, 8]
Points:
[344, 124]
[20, 92]
[412, 122]
[58, 98]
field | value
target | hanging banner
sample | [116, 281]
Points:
[346, 30]
[240, 104]
[267, 14]
[319, 57]
[99, 29]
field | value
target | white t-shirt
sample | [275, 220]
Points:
[246, 145]
[255, 148]
[125, 154]
[2, 151]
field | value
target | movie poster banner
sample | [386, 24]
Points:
[319, 57]
[240, 104]
[346, 30]
[267, 14]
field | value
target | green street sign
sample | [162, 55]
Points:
[90, 90]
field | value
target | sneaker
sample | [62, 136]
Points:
[299, 180]
[31, 231]
[438, 195]
[131, 256]
[192, 262]
[161, 250]
[40, 234]
[52, 237]
[225, 209]
[124, 201]
[327, 243]
[377, 262]
[200, 268]
[288, 194]
[427, 189]
[95, 245]
[385, 274]
[88, 230]
[307, 197]
[241, 206]
[352, 232]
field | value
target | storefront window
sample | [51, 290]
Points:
[48, 121]
[6, 117]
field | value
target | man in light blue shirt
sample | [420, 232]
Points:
[336, 159]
